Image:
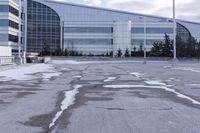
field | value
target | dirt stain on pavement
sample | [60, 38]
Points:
[82, 99]
[45, 119]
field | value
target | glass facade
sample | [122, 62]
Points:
[137, 30]
[138, 42]
[3, 37]
[183, 32]
[4, 8]
[13, 11]
[3, 22]
[160, 30]
[8, 8]
[72, 42]
[88, 30]
[13, 24]
[43, 27]
[153, 30]
[10, 23]
[13, 38]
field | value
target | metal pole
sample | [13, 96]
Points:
[145, 41]
[19, 34]
[174, 31]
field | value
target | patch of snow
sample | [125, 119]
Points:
[66, 69]
[60, 62]
[139, 75]
[109, 79]
[27, 72]
[187, 69]
[156, 87]
[77, 76]
[74, 62]
[156, 82]
[167, 67]
[68, 101]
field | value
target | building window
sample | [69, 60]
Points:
[13, 38]
[73, 42]
[3, 22]
[4, 8]
[88, 30]
[160, 30]
[13, 11]
[137, 30]
[183, 32]
[13, 24]
[43, 27]
[10, 23]
[138, 42]
[3, 37]
[140, 30]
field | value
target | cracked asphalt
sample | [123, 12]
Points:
[29, 106]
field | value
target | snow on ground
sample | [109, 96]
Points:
[66, 69]
[68, 100]
[155, 87]
[58, 62]
[77, 76]
[188, 69]
[156, 82]
[47, 71]
[109, 79]
[139, 75]
[74, 62]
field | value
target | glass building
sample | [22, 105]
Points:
[43, 27]
[36, 24]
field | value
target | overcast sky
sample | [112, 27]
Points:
[185, 9]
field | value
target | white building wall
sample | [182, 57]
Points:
[122, 36]
[5, 51]
[10, 16]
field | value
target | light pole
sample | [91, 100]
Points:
[174, 32]
[145, 41]
[19, 35]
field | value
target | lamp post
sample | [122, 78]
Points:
[19, 35]
[145, 41]
[174, 32]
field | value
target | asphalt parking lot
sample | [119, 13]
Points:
[103, 97]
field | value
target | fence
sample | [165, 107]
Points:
[6, 60]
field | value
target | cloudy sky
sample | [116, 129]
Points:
[186, 9]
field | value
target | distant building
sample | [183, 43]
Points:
[91, 30]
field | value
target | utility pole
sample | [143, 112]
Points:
[174, 32]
